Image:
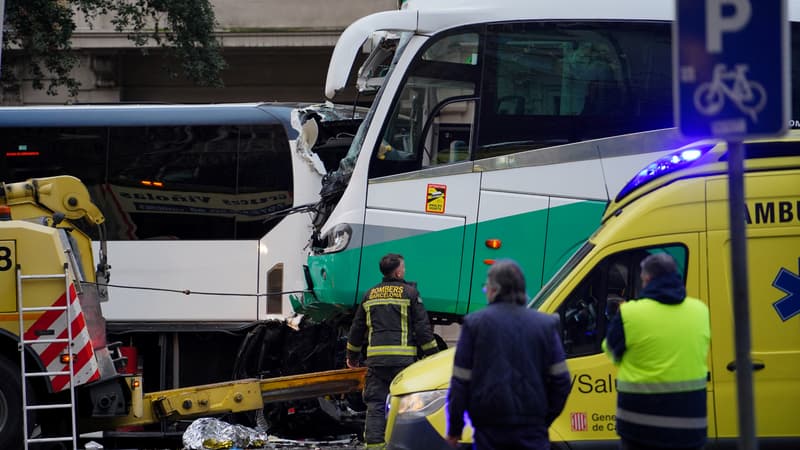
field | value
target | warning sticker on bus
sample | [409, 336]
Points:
[436, 198]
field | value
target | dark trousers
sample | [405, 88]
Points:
[510, 437]
[376, 388]
[627, 444]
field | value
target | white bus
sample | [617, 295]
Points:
[195, 198]
[498, 129]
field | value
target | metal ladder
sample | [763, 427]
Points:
[23, 369]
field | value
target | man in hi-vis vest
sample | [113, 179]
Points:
[660, 343]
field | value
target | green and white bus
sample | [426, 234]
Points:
[497, 130]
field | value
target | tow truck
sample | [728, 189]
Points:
[61, 376]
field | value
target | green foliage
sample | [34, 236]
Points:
[37, 35]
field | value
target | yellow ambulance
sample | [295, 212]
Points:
[679, 205]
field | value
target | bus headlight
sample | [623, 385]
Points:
[338, 238]
[420, 404]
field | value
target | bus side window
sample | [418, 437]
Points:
[547, 84]
[33, 152]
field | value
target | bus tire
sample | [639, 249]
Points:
[10, 405]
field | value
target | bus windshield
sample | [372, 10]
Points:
[371, 71]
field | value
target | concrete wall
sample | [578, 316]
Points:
[266, 74]
[299, 14]
[271, 15]
[275, 50]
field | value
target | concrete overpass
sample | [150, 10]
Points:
[276, 50]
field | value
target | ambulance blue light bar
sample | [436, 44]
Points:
[663, 166]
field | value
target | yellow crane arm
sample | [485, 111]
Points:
[234, 396]
[61, 194]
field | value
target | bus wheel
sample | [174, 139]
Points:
[10, 405]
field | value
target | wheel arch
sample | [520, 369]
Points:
[9, 347]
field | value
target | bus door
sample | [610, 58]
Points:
[518, 220]
[422, 197]
[510, 225]
[426, 220]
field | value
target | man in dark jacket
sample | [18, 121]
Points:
[510, 373]
[393, 322]
[660, 344]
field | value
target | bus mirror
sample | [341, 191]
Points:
[309, 132]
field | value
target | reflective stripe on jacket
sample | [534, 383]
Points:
[509, 370]
[392, 322]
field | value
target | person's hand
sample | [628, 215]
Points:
[352, 364]
[452, 441]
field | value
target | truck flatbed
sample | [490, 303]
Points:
[233, 396]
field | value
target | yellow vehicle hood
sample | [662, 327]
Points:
[428, 374]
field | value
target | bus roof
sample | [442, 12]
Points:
[124, 115]
[430, 16]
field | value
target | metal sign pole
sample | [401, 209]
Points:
[731, 79]
[740, 289]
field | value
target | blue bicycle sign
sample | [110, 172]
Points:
[730, 68]
[748, 95]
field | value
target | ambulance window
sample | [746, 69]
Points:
[588, 309]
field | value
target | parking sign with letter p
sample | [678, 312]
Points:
[731, 70]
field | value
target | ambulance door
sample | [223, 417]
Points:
[773, 253]
[585, 307]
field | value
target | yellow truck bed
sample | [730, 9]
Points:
[232, 396]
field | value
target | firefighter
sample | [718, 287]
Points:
[392, 322]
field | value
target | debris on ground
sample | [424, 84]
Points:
[214, 434]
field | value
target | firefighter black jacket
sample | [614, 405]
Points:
[391, 322]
